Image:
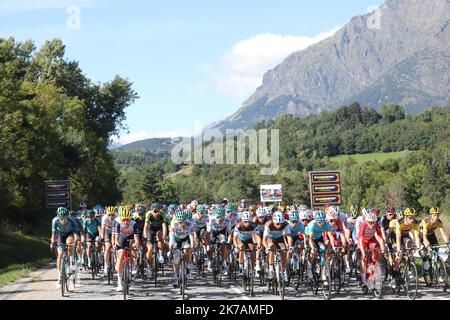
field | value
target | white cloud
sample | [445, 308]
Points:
[33, 5]
[243, 66]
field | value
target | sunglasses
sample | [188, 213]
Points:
[371, 222]
[126, 220]
[304, 220]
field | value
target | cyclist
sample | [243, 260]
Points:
[337, 229]
[370, 236]
[106, 233]
[260, 221]
[139, 217]
[275, 233]
[427, 233]
[64, 231]
[243, 238]
[181, 237]
[350, 229]
[403, 228]
[124, 231]
[252, 210]
[243, 206]
[90, 234]
[297, 231]
[219, 230]
[314, 232]
[200, 221]
[75, 217]
[171, 212]
[155, 230]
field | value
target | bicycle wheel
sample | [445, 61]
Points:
[377, 281]
[442, 274]
[182, 278]
[335, 275]
[327, 282]
[63, 276]
[125, 280]
[252, 280]
[155, 264]
[427, 272]
[411, 281]
[281, 285]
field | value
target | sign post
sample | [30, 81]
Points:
[58, 194]
[325, 188]
[271, 193]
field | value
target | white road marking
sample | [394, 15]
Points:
[238, 291]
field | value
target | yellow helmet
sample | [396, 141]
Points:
[110, 211]
[434, 210]
[410, 212]
[124, 213]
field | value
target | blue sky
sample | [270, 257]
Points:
[190, 61]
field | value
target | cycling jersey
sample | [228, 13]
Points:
[215, 225]
[299, 228]
[337, 227]
[200, 222]
[259, 229]
[155, 222]
[108, 222]
[245, 233]
[234, 219]
[69, 227]
[276, 233]
[139, 225]
[427, 226]
[368, 234]
[91, 226]
[316, 231]
[123, 230]
[350, 225]
[178, 231]
[399, 226]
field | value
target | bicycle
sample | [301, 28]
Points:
[321, 272]
[140, 263]
[295, 268]
[112, 264]
[374, 275]
[93, 256]
[263, 267]
[248, 277]
[126, 273]
[64, 269]
[217, 264]
[434, 270]
[405, 275]
[278, 284]
[337, 269]
[182, 278]
[199, 254]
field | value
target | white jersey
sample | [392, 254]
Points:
[108, 221]
[177, 230]
[200, 222]
[215, 225]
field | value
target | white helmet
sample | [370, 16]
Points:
[278, 217]
[260, 212]
[304, 215]
[246, 216]
[267, 211]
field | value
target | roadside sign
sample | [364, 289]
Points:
[271, 193]
[325, 188]
[57, 194]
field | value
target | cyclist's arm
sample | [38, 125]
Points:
[426, 243]
[331, 237]
[444, 236]
[102, 231]
[164, 228]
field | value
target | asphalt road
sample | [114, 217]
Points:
[40, 285]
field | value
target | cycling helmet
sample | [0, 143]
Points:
[260, 212]
[90, 213]
[181, 216]
[399, 213]
[124, 213]
[304, 215]
[83, 205]
[332, 215]
[390, 209]
[333, 209]
[371, 216]
[410, 212]
[293, 216]
[219, 212]
[246, 216]
[231, 207]
[302, 207]
[434, 210]
[278, 217]
[319, 215]
[172, 207]
[353, 212]
[188, 214]
[194, 203]
[62, 213]
[156, 206]
[267, 211]
[242, 207]
[110, 211]
[201, 208]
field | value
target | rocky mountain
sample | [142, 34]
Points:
[399, 54]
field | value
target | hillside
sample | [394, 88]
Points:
[406, 61]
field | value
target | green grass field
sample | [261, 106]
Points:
[378, 156]
[20, 254]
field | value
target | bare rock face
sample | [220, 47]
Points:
[401, 56]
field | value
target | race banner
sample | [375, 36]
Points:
[57, 194]
[325, 188]
[271, 193]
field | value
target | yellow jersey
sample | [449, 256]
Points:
[399, 226]
[427, 226]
